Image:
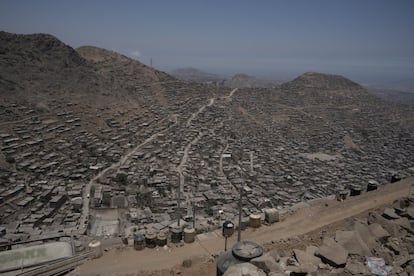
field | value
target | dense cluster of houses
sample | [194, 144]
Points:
[264, 146]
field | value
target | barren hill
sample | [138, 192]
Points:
[39, 69]
[38, 63]
[313, 80]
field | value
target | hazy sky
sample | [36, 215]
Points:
[368, 40]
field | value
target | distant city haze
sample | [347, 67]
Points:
[371, 42]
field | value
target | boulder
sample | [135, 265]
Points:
[292, 262]
[275, 254]
[385, 254]
[409, 243]
[409, 268]
[267, 263]
[410, 212]
[355, 267]
[332, 253]
[388, 225]
[379, 232]
[308, 263]
[303, 257]
[365, 234]
[352, 242]
[393, 247]
[400, 211]
[244, 269]
[405, 224]
[311, 249]
[390, 213]
[403, 261]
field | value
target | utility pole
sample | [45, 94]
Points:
[240, 211]
[251, 161]
[194, 213]
[179, 199]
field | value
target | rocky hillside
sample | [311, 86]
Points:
[316, 88]
[313, 80]
[381, 243]
[42, 72]
[40, 63]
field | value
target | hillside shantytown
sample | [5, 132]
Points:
[97, 146]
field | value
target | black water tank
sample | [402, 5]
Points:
[224, 261]
[395, 178]
[355, 190]
[176, 234]
[372, 185]
[151, 239]
[139, 242]
[161, 239]
[241, 252]
[228, 228]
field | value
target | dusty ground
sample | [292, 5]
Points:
[304, 226]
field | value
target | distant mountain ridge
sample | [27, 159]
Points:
[247, 81]
[195, 75]
[237, 81]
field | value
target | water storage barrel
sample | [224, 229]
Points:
[139, 242]
[395, 178]
[271, 215]
[96, 248]
[151, 239]
[244, 223]
[224, 261]
[189, 235]
[228, 228]
[355, 190]
[176, 234]
[372, 185]
[241, 252]
[161, 239]
[255, 220]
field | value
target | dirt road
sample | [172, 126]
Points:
[318, 214]
[86, 191]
